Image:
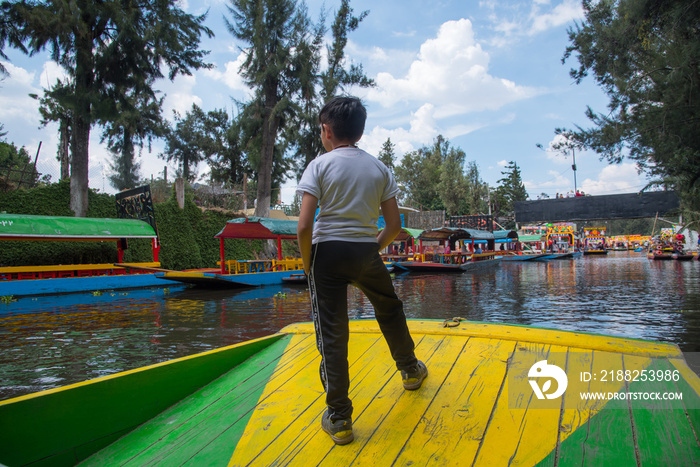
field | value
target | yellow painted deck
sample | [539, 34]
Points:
[463, 415]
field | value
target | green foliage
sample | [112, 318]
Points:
[387, 155]
[434, 179]
[510, 189]
[16, 166]
[183, 143]
[645, 56]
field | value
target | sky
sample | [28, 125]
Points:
[487, 75]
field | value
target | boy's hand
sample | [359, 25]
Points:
[392, 217]
[305, 228]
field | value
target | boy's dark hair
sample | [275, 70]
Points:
[346, 116]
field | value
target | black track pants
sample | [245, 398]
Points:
[335, 265]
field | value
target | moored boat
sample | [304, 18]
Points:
[524, 257]
[594, 241]
[260, 403]
[448, 260]
[682, 256]
[659, 255]
[247, 273]
[19, 281]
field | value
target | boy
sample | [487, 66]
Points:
[349, 186]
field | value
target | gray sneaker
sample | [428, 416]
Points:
[340, 431]
[413, 379]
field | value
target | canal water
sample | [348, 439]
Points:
[46, 342]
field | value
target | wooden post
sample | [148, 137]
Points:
[221, 252]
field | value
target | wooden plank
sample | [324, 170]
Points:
[270, 427]
[607, 438]
[76, 267]
[371, 368]
[540, 427]
[505, 428]
[395, 413]
[454, 423]
[689, 384]
[663, 431]
[375, 389]
[520, 334]
[40, 425]
[213, 409]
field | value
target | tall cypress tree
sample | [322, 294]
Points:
[272, 30]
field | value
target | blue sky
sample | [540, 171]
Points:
[487, 75]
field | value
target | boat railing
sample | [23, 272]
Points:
[484, 256]
[8, 273]
[247, 266]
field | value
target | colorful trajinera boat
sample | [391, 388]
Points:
[440, 259]
[594, 241]
[495, 395]
[19, 281]
[247, 273]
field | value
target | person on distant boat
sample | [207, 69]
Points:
[341, 247]
[478, 250]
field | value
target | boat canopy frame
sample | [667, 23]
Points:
[452, 234]
[256, 228]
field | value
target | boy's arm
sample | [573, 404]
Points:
[305, 228]
[392, 217]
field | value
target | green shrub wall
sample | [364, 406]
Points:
[186, 235]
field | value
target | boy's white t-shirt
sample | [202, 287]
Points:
[350, 185]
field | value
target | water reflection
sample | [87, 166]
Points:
[53, 341]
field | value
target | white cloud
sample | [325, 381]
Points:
[558, 156]
[51, 73]
[422, 131]
[15, 102]
[555, 183]
[179, 96]
[451, 72]
[614, 179]
[231, 76]
[561, 14]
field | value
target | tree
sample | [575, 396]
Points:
[52, 111]
[317, 86]
[510, 190]
[272, 29]
[135, 123]
[107, 47]
[476, 191]
[434, 178]
[386, 154]
[16, 167]
[645, 55]
[453, 184]
[419, 174]
[183, 142]
[221, 144]
[337, 76]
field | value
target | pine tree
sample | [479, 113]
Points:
[272, 30]
[386, 154]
